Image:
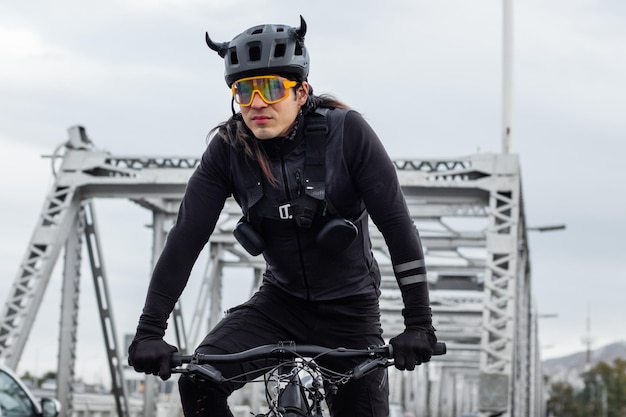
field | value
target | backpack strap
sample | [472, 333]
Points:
[316, 131]
[252, 182]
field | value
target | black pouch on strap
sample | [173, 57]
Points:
[249, 238]
[336, 235]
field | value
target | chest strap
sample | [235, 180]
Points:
[308, 206]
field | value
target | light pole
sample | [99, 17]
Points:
[507, 77]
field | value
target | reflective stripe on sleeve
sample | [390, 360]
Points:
[412, 279]
[409, 265]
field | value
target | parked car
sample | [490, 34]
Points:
[16, 400]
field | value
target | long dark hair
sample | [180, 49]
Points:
[235, 132]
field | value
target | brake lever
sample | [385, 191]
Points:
[368, 365]
[206, 371]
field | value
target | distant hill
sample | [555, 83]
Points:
[569, 368]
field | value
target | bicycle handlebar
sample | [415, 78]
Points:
[290, 351]
[201, 365]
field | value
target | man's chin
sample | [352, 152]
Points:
[263, 134]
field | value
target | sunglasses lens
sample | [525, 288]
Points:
[242, 91]
[271, 90]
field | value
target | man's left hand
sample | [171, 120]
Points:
[413, 347]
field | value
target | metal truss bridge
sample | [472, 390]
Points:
[470, 215]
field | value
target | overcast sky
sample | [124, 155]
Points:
[426, 75]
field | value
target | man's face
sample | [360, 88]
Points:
[267, 121]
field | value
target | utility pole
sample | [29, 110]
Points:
[588, 341]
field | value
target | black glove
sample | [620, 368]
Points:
[151, 354]
[413, 347]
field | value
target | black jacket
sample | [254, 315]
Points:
[359, 176]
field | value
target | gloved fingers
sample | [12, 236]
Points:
[140, 366]
[412, 348]
[407, 363]
[141, 362]
[399, 362]
[424, 347]
[165, 371]
[423, 354]
[410, 364]
[151, 356]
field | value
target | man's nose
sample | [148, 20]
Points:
[257, 101]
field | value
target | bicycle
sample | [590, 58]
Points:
[294, 381]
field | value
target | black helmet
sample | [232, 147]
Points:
[263, 50]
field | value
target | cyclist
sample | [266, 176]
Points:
[307, 171]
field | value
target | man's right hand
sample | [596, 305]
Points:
[151, 355]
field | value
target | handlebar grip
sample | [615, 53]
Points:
[440, 349]
[176, 359]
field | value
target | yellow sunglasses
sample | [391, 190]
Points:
[271, 89]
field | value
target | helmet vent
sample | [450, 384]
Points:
[279, 50]
[298, 50]
[257, 31]
[234, 60]
[254, 53]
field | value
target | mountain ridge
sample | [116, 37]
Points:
[569, 368]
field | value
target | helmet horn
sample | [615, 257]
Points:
[220, 48]
[301, 31]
